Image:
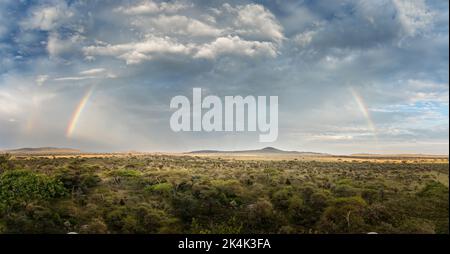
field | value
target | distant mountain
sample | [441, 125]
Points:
[263, 151]
[43, 150]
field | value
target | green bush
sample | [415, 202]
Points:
[160, 188]
[22, 187]
[417, 226]
[281, 197]
[345, 215]
[78, 179]
[345, 190]
[5, 162]
[126, 173]
[141, 219]
[434, 190]
[231, 226]
[95, 226]
[34, 219]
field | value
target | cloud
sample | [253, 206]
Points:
[93, 71]
[7, 104]
[136, 52]
[154, 47]
[56, 46]
[245, 30]
[331, 137]
[177, 24]
[40, 80]
[304, 39]
[151, 7]
[48, 18]
[255, 21]
[74, 78]
[414, 16]
[4, 18]
[138, 55]
[236, 46]
[373, 24]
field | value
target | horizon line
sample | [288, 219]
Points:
[205, 151]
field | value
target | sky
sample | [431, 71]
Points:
[351, 76]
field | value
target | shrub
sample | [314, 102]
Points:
[95, 226]
[434, 190]
[345, 215]
[5, 162]
[261, 216]
[126, 173]
[344, 190]
[371, 195]
[160, 188]
[417, 226]
[34, 219]
[296, 209]
[22, 187]
[231, 188]
[231, 226]
[78, 179]
[281, 197]
[137, 220]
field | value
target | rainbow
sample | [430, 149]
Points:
[365, 111]
[77, 113]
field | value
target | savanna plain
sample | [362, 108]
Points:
[188, 193]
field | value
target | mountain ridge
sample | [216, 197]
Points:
[42, 150]
[265, 150]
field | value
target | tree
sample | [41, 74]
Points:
[345, 215]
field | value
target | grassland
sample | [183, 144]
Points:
[173, 193]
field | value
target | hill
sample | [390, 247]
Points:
[263, 151]
[43, 150]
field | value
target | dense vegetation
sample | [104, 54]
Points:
[183, 194]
